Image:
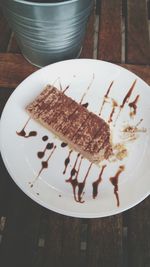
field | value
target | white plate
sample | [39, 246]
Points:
[50, 189]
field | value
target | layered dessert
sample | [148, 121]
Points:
[74, 124]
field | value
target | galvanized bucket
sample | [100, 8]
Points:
[48, 32]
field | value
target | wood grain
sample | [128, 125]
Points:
[110, 40]
[39, 251]
[5, 189]
[21, 231]
[5, 183]
[62, 247]
[88, 43]
[53, 243]
[14, 69]
[139, 235]
[148, 8]
[105, 242]
[71, 242]
[142, 71]
[137, 35]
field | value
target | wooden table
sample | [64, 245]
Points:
[32, 236]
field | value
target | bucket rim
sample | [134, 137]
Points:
[65, 2]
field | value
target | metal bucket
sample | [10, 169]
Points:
[48, 32]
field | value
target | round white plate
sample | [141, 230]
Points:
[88, 80]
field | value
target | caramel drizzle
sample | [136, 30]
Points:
[134, 129]
[88, 88]
[126, 99]
[23, 133]
[133, 106]
[131, 129]
[105, 97]
[96, 183]
[114, 181]
[44, 165]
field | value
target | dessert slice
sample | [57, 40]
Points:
[83, 130]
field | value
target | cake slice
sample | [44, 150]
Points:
[83, 130]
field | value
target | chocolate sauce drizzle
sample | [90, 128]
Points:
[133, 106]
[113, 110]
[60, 86]
[81, 185]
[23, 132]
[85, 105]
[126, 99]
[114, 181]
[88, 88]
[129, 93]
[67, 87]
[78, 187]
[105, 97]
[73, 173]
[138, 123]
[67, 161]
[63, 144]
[97, 182]
[45, 138]
[44, 165]
[41, 154]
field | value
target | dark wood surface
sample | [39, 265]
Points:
[32, 236]
[110, 34]
[137, 33]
